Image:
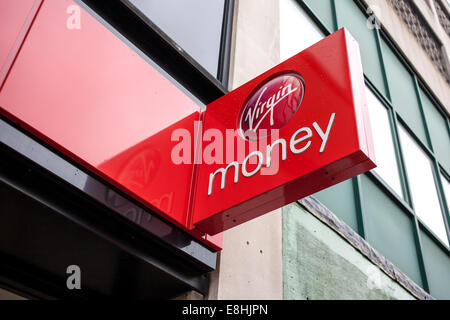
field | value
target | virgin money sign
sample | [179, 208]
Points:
[272, 105]
[296, 129]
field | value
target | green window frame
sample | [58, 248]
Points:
[431, 254]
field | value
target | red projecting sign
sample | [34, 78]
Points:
[296, 129]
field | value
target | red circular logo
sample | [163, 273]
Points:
[271, 105]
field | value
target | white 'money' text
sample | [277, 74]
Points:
[301, 136]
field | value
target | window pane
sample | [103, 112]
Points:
[387, 166]
[422, 186]
[322, 9]
[446, 185]
[437, 264]
[403, 92]
[438, 131]
[389, 229]
[351, 17]
[195, 25]
[340, 200]
[297, 30]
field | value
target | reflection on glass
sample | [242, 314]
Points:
[421, 182]
[195, 25]
[384, 146]
[298, 31]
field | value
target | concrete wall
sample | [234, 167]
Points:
[319, 264]
[250, 264]
[256, 39]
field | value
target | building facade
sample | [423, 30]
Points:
[90, 93]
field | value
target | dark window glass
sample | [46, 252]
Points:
[352, 18]
[437, 265]
[389, 229]
[437, 127]
[403, 92]
[195, 25]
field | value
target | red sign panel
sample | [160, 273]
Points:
[87, 93]
[296, 129]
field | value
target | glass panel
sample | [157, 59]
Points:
[389, 230]
[195, 25]
[403, 92]
[446, 185]
[341, 201]
[322, 9]
[387, 166]
[438, 131]
[422, 186]
[437, 264]
[297, 30]
[351, 17]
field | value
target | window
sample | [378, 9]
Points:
[407, 124]
[195, 25]
[439, 133]
[351, 17]
[403, 92]
[446, 185]
[421, 182]
[387, 166]
[390, 230]
[292, 19]
[437, 264]
[323, 10]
